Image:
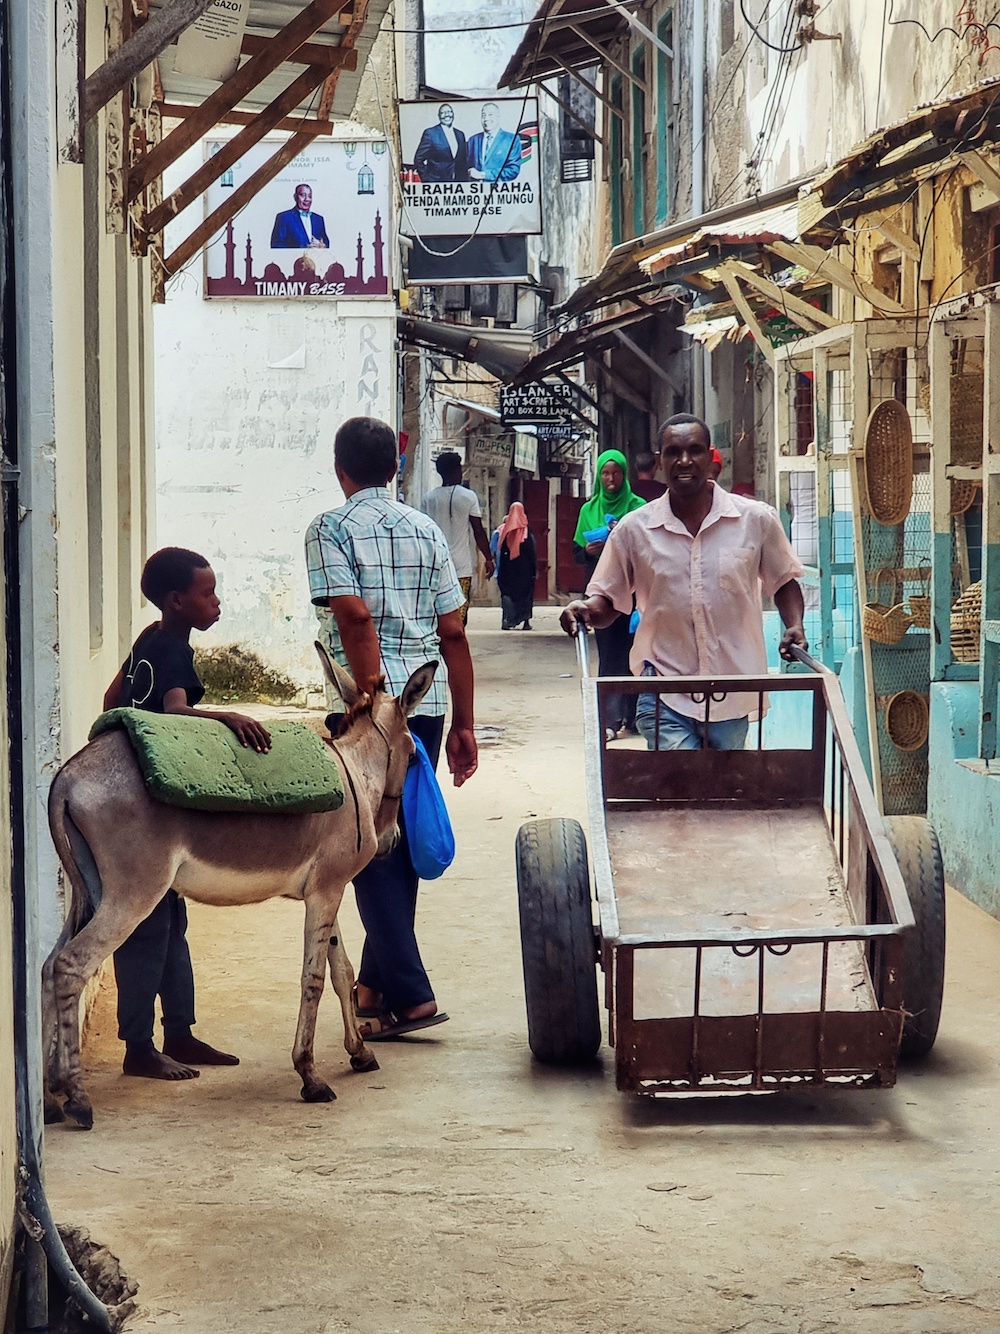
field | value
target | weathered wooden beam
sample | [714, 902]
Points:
[983, 171]
[348, 41]
[607, 58]
[237, 200]
[233, 91]
[587, 129]
[233, 150]
[309, 53]
[293, 124]
[804, 315]
[133, 56]
[898, 237]
[821, 262]
[591, 88]
[619, 385]
[736, 295]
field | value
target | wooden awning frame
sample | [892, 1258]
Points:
[144, 153]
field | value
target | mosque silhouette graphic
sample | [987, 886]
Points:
[310, 274]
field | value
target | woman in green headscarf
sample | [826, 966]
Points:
[613, 498]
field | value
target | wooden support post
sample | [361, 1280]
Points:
[939, 360]
[572, 114]
[232, 92]
[983, 171]
[217, 220]
[738, 299]
[132, 57]
[823, 264]
[906, 244]
[989, 684]
[359, 14]
[233, 150]
[798, 311]
[861, 406]
[826, 536]
[607, 58]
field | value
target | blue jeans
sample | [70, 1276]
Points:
[679, 732]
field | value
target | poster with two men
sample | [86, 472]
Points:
[470, 168]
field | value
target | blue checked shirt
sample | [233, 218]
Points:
[396, 560]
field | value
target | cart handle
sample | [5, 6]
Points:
[807, 659]
[582, 648]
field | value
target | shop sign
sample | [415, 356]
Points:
[537, 404]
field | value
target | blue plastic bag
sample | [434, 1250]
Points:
[428, 827]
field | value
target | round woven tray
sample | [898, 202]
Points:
[907, 717]
[963, 495]
[889, 462]
[966, 618]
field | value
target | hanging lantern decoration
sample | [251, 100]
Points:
[350, 148]
[379, 147]
[366, 181]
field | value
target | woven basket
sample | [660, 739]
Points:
[907, 719]
[886, 623]
[963, 495]
[889, 462]
[967, 417]
[966, 618]
[920, 603]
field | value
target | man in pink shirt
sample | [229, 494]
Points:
[695, 560]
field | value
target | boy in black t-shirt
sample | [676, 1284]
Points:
[159, 675]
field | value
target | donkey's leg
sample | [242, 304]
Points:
[72, 969]
[342, 977]
[320, 918]
[53, 1111]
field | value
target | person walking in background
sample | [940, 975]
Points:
[456, 511]
[646, 484]
[613, 498]
[517, 566]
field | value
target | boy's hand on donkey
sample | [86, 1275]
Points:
[248, 730]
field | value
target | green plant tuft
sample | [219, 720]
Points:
[232, 673]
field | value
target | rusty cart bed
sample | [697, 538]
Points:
[759, 924]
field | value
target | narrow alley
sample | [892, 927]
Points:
[465, 1188]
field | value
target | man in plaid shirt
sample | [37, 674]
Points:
[382, 573]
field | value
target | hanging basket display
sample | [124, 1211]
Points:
[967, 417]
[966, 619]
[889, 462]
[920, 603]
[907, 719]
[886, 622]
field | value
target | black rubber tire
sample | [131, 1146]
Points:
[558, 948]
[919, 856]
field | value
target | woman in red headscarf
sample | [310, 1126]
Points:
[516, 569]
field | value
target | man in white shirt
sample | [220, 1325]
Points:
[695, 560]
[455, 509]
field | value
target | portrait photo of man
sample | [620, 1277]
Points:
[299, 228]
[440, 155]
[494, 155]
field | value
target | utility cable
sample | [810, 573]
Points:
[782, 50]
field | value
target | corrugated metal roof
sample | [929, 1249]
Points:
[267, 18]
[778, 223]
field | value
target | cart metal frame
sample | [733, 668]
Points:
[763, 1049]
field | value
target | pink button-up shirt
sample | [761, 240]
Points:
[699, 596]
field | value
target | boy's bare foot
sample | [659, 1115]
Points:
[189, 1049]
[148, 1063]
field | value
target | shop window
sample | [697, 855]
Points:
[805, 415]
[638, 145]
[664, 119]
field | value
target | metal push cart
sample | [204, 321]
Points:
[760, 925]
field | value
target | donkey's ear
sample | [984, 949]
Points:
[417, 687]
[341, 680]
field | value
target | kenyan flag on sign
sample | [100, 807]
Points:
[528, 132]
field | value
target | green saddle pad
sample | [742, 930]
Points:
[199, 763]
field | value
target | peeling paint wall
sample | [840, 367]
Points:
[244, 445]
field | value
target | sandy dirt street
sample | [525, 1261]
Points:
[463, 1189]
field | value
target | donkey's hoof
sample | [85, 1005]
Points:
[318, 1093]
[364, 1064]
[80, 1112]
[53, 1112]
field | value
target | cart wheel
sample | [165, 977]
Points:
[557, 942]
[916, 847]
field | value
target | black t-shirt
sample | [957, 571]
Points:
[159, 662]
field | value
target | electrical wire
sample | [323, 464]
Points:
[782, 50]
[577, 16]
[960, 35]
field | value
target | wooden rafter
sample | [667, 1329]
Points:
[239, 199]
[587, 129]
[822, 263]
[593, 89]
[739, 300]
[233, 150]
[357, 23]
[132, 57]
[294, 124]
[279, 49]
[607, 58]
[798, 311]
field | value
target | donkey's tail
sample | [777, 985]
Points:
[77, 859]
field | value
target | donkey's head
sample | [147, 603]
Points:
[393, 744]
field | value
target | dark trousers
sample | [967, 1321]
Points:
[614, 644]
[155, 961]
[386, 894]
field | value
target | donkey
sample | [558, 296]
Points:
[122, 851]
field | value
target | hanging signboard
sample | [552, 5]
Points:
[210, 47]
[320, 229]
[559, 432]
[490, 451]
[537, 404]
[470, 168]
